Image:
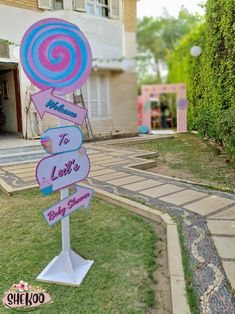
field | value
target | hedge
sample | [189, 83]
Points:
[210, 78]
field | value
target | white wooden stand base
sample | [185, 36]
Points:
[68, 268]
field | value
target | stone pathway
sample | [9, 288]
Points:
[208, 217]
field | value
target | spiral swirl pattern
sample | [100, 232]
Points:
[55, 53]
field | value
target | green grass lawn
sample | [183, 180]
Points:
[121, 244]
[188, 157]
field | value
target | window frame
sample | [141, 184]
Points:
[95, 4]
[54, 5]
[98, 100]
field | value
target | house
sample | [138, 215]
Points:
[110, 94]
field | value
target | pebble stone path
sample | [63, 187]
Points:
[208, 216]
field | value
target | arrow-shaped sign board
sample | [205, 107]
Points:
[67, 206]
[45, 101]
[59, 171]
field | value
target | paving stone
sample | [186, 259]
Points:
[30, 179]
[108, 161]
[26, 174]
[229, 268]
[125, 180]
[98, 156]
[209, 205]
[19, 166]
[22, 170]
[225, 214]
[161, 190]
[115, 163]
[183, 197]
[221, 227]
[143, 184]
[114, 154]
[94, 167]
[225, 246]
[112, 176]
[100, 172]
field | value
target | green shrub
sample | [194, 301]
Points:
[210, 78]
[227, 130]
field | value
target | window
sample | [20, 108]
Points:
[105, 8]
[95, 95]
[4, 49]
[51, 4]
[58, 5]
[97, 7]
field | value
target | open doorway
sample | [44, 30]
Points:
[163, 111]
[163, 106]
[10, 105]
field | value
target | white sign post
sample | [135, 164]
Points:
[68, 267]
[56, 57]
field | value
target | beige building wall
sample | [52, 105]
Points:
[122, 85]
[123, 98]
[123, 108]
[130, 14]
[24, 4]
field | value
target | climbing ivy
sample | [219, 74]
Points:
[210, 77]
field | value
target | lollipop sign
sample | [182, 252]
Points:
[55, 53]
[56, 57]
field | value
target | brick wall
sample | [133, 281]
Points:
[123, 107]
[123, 98]
[130, 15]
[129, 10]
[24, 4]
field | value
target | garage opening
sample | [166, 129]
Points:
[10, 106]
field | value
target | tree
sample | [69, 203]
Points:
[158, 36]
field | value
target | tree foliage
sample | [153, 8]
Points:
[159, 35]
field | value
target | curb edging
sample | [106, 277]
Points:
[175, 266]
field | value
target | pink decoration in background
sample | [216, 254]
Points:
[67, 206]
[144, 99]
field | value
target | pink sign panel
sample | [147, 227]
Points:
[59, 171]
[67, 206]
[62, 139]
[45, 101]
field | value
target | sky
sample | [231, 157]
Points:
[154, 7]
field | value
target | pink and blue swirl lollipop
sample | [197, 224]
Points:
[55, 53]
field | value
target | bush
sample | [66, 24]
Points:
[210, 78]
[227, 130]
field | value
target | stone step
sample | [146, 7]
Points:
[22, 158]
[18, 150]
[16, 155]
[20, 155]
